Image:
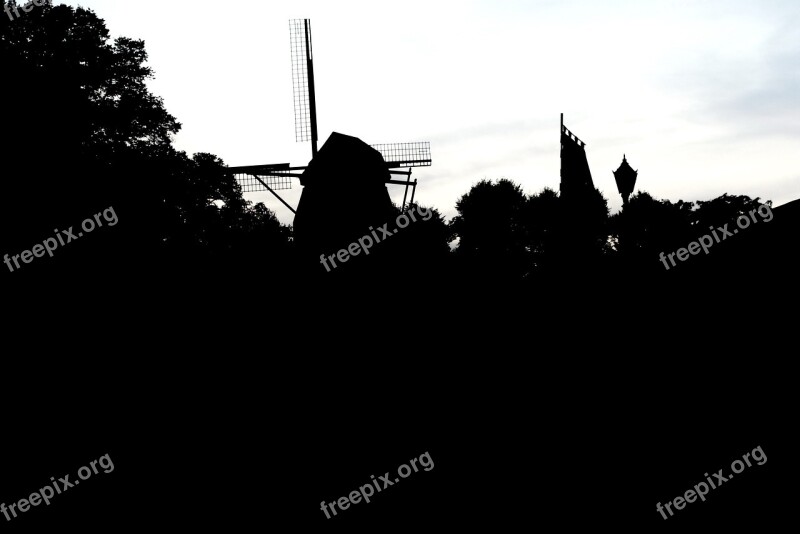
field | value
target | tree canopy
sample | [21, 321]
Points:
[85, 133]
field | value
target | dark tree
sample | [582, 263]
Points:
[86, 134]
[490, 231]
[541, 222]
[723, 209]
[646, 226]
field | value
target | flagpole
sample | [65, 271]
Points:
[561, 156]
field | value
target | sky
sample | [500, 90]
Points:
[701, 96]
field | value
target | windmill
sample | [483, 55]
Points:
[576, 178]
[400, 158]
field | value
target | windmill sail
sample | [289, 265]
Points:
[576, 178]
[305, 107]
[399, 155]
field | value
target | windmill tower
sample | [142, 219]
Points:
[399, 158]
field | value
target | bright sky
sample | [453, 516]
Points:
[702, 96]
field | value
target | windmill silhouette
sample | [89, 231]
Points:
[576, 178]
[400, 158]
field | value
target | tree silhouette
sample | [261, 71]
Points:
[490, 231]
[647, 227]
[541, 222]
[89, 135]
[421, 253]
[723, 209]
